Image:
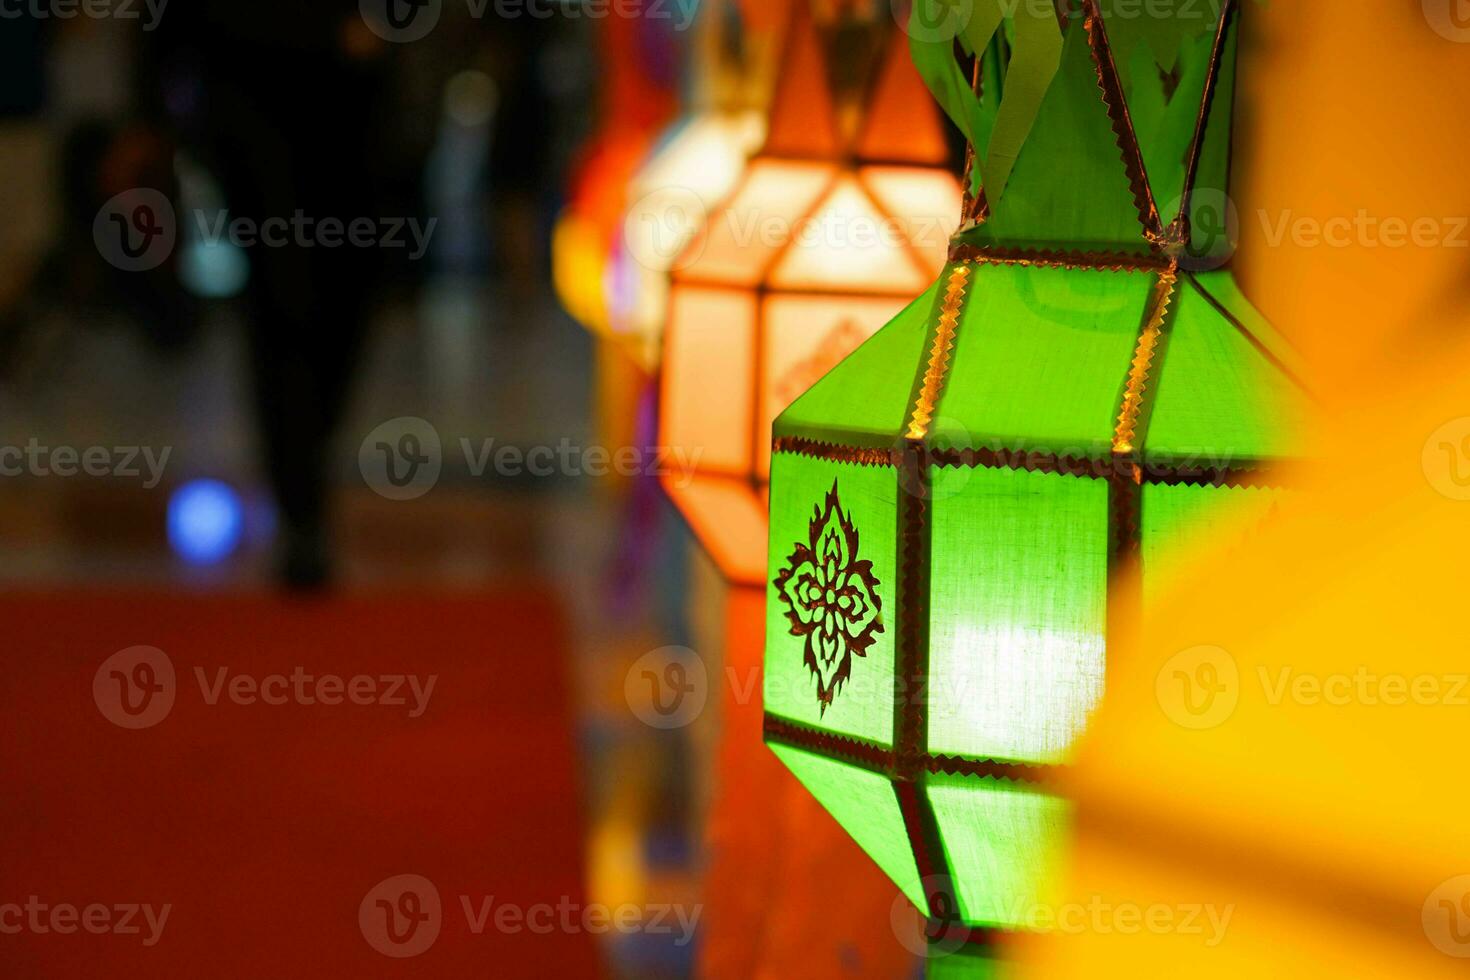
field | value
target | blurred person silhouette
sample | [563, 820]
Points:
[520, 167]
[281, 100]
[69, 142]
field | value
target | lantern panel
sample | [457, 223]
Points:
[927, 200]
[708, 393]
[1018, 604]
[1163, 118]
[802, 338]
[704, 157]
[728, 516]
[862, 704]
[1172, 517]
[849, 244]
[867, 807]
[893, 130]
[1040, 359]
[1002, 840]
[1219, 401]
[748, 232]
[862, 406]
[1209, 221]
[1069, 188]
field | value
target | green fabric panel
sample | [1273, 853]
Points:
[931, 45]
[1033, 66]
[864, 400]
[1179, 522]
[1164, 124]
[1018, 597]
[862, 706]
[1224, 290]
[1003, 845]
[1208, 225]
[965, 964]
[865, 805]
[1041, 358]
[1218, 401]
[1069, 186]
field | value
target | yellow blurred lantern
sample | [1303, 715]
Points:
[841, 219]
[636, 103]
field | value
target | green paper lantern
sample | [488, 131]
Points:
[968, 506]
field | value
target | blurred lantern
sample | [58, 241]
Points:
[841, 219]
[966, 511]
[638, 67]
[697, 164]
[637, 75]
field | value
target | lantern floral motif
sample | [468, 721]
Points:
[841, 219]
[831, 598]
[1011, 468]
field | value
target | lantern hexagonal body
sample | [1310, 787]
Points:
[966, 508]
[841, 219]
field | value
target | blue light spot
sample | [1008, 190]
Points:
[205, 520]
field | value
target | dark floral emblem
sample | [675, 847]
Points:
[831, 597]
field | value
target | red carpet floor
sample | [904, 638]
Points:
[264, 827]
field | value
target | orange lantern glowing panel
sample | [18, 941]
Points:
[841, 220]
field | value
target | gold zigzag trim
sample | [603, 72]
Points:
[1138, 374]
[944, 334]
[1057, 258]
[832, 452]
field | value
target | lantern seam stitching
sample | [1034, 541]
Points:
[880, 760]
[939, 355]
[1178, 231]
[1116, 104]
[1257, 476]
[1070, 259]
[1126, 434]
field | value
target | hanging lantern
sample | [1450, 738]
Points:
[841, 219]
[696, 165]
[967, 508]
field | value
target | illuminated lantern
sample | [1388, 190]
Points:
[966, 509]
[841, 219]
[697, 164]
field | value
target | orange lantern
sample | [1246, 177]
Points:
[840, 220]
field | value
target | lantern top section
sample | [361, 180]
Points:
[1095, 125]
[847, 91]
